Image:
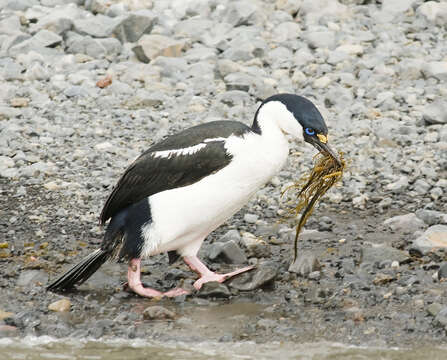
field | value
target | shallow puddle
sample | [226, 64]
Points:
[115, 349]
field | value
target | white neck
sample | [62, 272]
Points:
[274, 116]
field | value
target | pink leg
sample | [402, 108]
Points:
[206, 274]
[134, 282]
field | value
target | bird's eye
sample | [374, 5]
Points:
[309, 131]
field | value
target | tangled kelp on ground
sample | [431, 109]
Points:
[325, 173]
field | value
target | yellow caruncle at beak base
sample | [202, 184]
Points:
[322, 138]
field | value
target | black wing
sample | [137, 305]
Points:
[150, 174]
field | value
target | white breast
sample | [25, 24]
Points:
[183, 217]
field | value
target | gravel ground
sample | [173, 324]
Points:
[87, 85]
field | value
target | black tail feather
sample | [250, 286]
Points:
[80, 272]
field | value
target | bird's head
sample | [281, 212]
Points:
[295, 115]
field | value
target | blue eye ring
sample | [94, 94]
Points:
[309, 131]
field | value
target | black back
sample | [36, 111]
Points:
[150, 174]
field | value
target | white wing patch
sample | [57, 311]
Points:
[186, 151]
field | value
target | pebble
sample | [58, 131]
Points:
[256, 247]
[151, 46]
[263, 274]
[62, 305]
[228, 252]
[214, 289]
[442, 272]
[158, 313]
[405, 223]
[305, 263]
[434, 237]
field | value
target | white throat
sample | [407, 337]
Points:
[275, 114]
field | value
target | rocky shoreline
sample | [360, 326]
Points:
[88, 85]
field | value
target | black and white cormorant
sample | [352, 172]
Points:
[182, 188]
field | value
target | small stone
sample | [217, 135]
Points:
[442, 272]
[399, 186]
[434, 237]
[98, 26]
[214, 289]
[435, 113]
[5, 314]
[431, 217]
[250, 218]
[434, 309]
[255, 247]
[158, 313]
[231, 235]
[434, 11]
[104, 82]
[441, 317]
[305, 263]
[62, 305]
[19, 102]
[314, 275]
[378, 254]
[350, 49]
[151, 46]
[229, 252]
[405, 223]
[132, 26]
[256, 278]
[436, 69]
[382, 279]
[320, 39]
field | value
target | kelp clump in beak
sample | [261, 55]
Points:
[326, 172]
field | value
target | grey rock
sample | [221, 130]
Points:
[214, 289]
[10, 25]
[320, 39]
[314, 275]
[231, 235]
[441, 318]
[256, 278]
[257, 248]
[432, 217]
[442, 272]
[131, 27]
[379, 254]
[158, 313]
[433, 11]
[58, 20]
[74, 91]
[325, 224]
[435, 113]
[434, 237]
[434, 309]
[193, 29]
[250, 218]
[436, 69]
[98, 26]
[12, 70]
[305, 263]
[405, 223]
[151, 46]
[398, 186]
[421, 187]
[173, 68]
[21, 5]
[241, 13]
[391, 8]
[229, 252]
[96, 48]
[39, 42]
